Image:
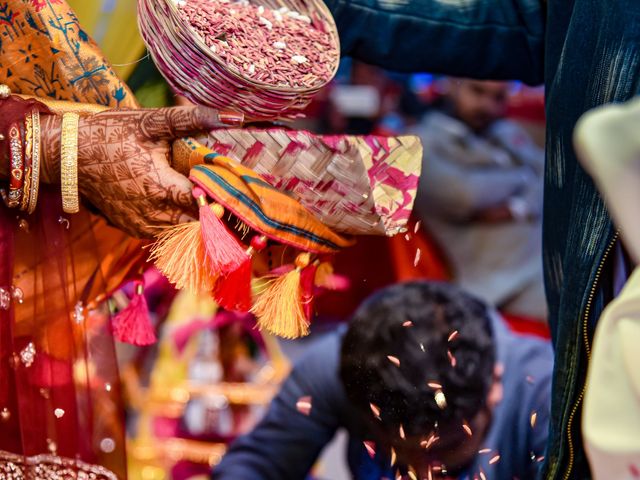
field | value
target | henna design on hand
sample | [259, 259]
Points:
[124, 164]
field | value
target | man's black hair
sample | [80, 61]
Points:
[463, 366]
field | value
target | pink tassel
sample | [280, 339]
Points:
[133, 324]
[307, 285]
[223, 250]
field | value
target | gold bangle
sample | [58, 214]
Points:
[69, 163]
[35, 162]
[28, 151]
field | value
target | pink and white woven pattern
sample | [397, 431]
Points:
[356, 185]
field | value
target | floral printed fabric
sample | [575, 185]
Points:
[45, 52]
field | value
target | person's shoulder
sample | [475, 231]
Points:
[321, 352]
[436, 124]
[511, 131]
[523, 355]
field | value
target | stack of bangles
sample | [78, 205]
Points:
[20, 143]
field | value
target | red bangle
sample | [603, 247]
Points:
[16, 167]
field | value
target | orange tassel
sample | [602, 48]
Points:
[279, 309]
[222, 248]
[133, 324]
[233, 292]
[180, 255]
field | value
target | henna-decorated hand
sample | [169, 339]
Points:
[123, 163]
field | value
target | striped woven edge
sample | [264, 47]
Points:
[262, 207]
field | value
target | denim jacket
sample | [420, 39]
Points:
[587, 52]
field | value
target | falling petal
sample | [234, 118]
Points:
[416, 260]
[540, 459]
[494, 460]
[426, 444]
[435, 385]
[467, 428]
[417, 226]
[429, 474]
[452, 359]
[304, 405]
[534, 417]
[412, 473]
[401, 431]
[482, 475]
[58, 412]
[394, 457]
[394, 360]
[371, 448]
[422, 347]
[407, 237]
[376, 410]
[484, 450]
[530, 379]
[453, 335]
[408, 323]
[440, 399]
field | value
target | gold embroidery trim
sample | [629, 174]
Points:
[49, 467]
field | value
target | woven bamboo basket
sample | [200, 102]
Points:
[195, 71]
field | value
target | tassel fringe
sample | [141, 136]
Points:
[279, 310]
[233, 292]
[180, 255]
[133, 324]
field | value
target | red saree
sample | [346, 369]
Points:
[60, 415]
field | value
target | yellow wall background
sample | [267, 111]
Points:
[113, 24]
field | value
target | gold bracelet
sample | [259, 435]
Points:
[28, 151]
[35, 162]
[69, 163]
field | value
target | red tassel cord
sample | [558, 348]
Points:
[133, 324]
[307, 286]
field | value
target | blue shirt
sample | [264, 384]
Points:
[586, 52]
[286, 443]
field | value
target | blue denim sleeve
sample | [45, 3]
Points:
[489, 39]
[286, 443]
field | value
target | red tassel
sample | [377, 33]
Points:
[233, 291]
[223, 250]
[133, 324]
[307, 285]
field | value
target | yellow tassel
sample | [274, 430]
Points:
[324, 271]
[279, 309]
[180, 255]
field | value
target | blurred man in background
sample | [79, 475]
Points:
[426, 380]
[480, 196]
